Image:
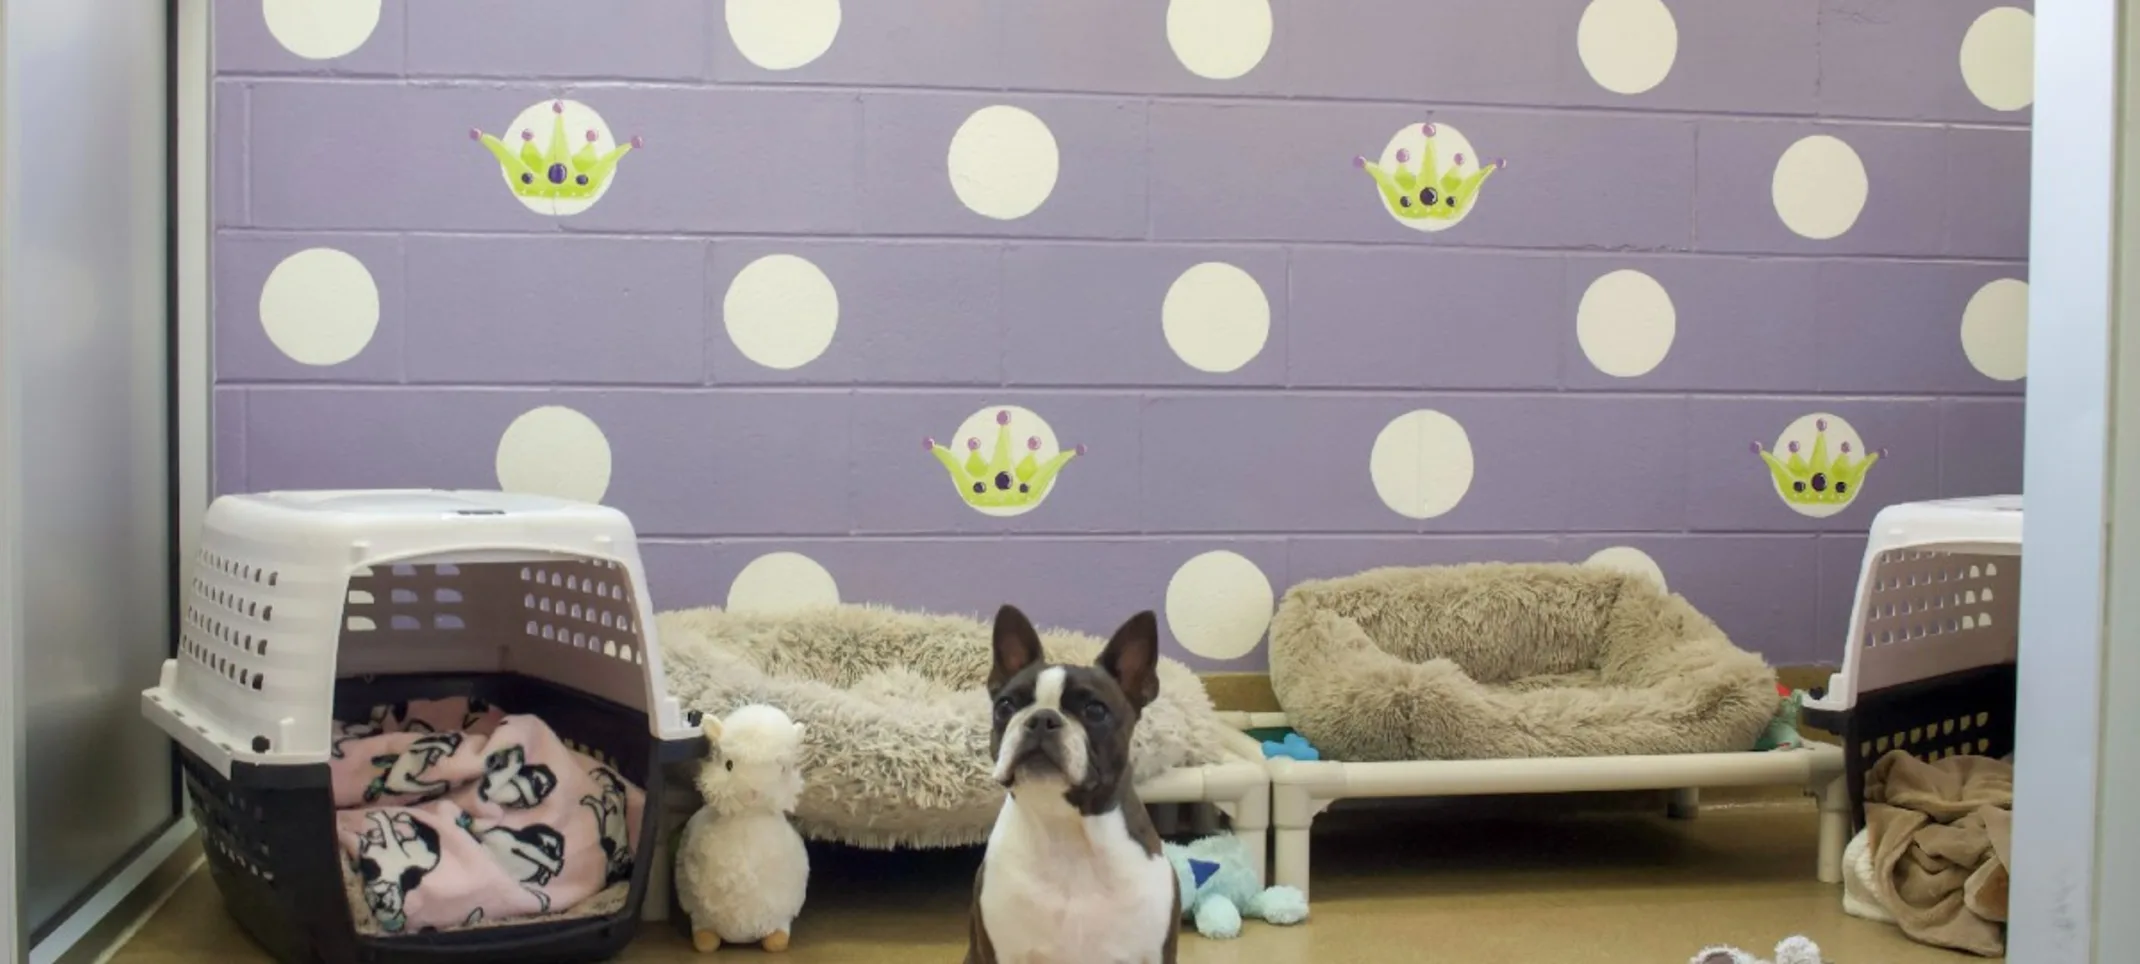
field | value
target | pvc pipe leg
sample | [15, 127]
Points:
[1289, 865]
[1251, 821]
[1293, 814]
[1834, 829]
[1259, 852]
[1684, 803]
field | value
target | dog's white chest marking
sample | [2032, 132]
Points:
[1062, 888]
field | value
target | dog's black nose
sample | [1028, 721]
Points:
[1044, 720]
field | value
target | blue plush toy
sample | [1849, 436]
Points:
[1219, 887]
[1293, 747]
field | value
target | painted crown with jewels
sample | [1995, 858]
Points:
[999, 482]
[1428, 192]
[1815, 479]
[560, 172]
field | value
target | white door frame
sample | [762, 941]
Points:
[2074, 875]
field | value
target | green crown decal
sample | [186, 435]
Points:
[1428, 192]
[560, 172]
[997, 482]
[1817, 480]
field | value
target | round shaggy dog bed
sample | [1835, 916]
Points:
[1498, 661]
[896, 712]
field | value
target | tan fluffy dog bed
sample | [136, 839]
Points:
[897, 712]
[1496, 661]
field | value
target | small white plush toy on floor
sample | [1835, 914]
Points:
[741, 870]
[1795, 949]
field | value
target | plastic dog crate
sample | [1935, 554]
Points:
[302, 608]
[1929, 665]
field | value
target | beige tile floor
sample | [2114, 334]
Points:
[1523, 882]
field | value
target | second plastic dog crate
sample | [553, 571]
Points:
[1929, 665]
[302, 608]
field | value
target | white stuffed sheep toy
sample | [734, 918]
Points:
[741, 870]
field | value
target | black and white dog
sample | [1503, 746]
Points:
[1073, 870]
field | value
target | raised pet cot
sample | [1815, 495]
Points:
[1582, 679]
[302, 608]
[1929, 665]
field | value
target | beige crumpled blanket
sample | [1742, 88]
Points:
[1942, 835]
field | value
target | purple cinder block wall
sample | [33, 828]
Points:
[1267, 290]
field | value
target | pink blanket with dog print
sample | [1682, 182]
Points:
[455, 813]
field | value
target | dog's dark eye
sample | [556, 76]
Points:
[1095, 712]
[731, 764]
[1004, 709]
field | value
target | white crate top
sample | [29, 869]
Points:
[377, 503]
[1985, 524]
[400, 522]
[1979, 526]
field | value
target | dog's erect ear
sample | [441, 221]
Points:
[1017, 646]
[1132, 658]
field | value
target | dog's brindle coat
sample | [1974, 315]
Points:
[1069, 761]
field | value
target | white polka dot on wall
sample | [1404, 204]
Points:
[1216, 317]
[783, 34]
[1628, 46]
[1819, 187]
[1421, 464]
[782, 582]
[1630, 560]
[1626, 323]
[317, 30]
[554, 451]
[1003, 162]
[1998, 58]
[1995, 329]
[1219, 605]
[1219, 39]
[320, 306]
[781, 311]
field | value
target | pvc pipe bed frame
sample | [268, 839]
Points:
[1300, 790]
